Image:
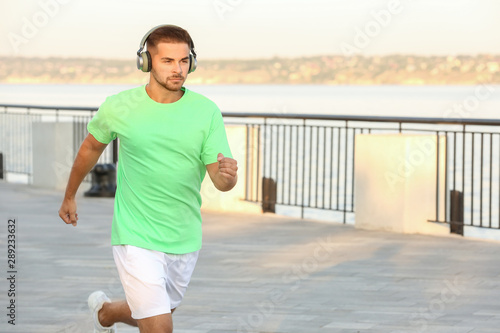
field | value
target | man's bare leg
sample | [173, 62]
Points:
[119, 312]
[156, 324]
[116, 312]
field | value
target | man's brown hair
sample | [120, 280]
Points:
[170, 34]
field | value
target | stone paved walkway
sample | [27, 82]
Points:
[256, 273]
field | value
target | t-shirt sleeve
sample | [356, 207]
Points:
[216, 141]
[100, 125]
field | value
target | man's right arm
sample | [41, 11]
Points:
[87, 157]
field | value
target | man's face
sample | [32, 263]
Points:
[170, 64]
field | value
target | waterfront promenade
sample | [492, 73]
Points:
[256, 273]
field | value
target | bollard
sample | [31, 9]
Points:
[269, 188]
[103, 181]
[456, 212]
[115, 151]
[1, 165]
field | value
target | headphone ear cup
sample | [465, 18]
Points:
[142, 61]
[192, 63]
[146, 61]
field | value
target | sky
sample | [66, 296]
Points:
[246, 29]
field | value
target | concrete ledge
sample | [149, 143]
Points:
[52, 154]
[395, 182]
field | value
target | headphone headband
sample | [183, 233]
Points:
[146, 36]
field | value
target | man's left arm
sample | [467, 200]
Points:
[223, 173]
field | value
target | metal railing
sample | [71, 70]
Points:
[310, 160]
[307, 161]
[16, 134]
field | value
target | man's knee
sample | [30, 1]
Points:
[156, 324]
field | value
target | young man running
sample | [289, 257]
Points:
[169, 137]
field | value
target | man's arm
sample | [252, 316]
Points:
[223, 173]
[87, 157]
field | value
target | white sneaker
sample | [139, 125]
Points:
[96, 300]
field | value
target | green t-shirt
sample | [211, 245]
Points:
[161, 163]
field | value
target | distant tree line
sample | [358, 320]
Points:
[331, 69]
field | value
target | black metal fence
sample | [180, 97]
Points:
[305, 163]
[16, 129]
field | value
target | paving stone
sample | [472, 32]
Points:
[256, 273]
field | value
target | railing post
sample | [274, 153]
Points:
[269, 189]
[345, 169]
[247, 161]
[1, 165]
[303, 168]
[115, 151]
[456, 212]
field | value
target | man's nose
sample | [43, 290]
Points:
[177, 69]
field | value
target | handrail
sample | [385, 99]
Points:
[422, 120]
[49, 107]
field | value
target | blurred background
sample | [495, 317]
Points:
[373, 57]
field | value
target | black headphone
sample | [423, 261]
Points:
[144, 58]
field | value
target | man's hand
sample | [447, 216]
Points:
[67, 212]
[223, 173]
[87, 157]
[227, 167]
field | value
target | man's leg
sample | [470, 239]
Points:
[156, 324]
[119, 312]
[116, 312]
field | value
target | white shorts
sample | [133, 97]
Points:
[154, 282]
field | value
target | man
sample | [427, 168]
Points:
[169, 137]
